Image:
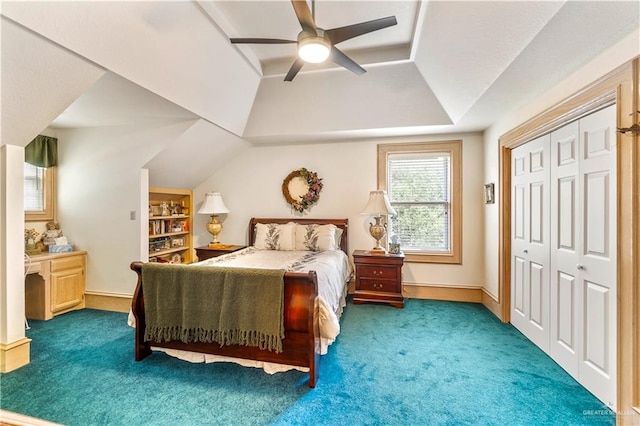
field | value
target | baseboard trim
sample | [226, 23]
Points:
[122, 303]
[441, 292]
[492, 304]
[15, 419]
[14, 355]
[108, 302]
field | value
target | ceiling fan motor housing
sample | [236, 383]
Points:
[313, 48]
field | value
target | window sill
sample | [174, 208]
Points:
[421, 257]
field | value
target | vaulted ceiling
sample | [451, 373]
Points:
[447, 66]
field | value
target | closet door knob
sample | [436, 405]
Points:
[525, 251]
[580, 267]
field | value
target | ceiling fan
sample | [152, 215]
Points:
[316, 44]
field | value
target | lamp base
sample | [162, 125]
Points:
[378, 250]
[378, 231]
[214, 227]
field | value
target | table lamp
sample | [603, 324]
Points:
[377, 207]
[213, 205]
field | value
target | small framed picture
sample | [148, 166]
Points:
[489, 193]
[177, 242]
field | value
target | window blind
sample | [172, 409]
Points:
[33, 187]
[418, 186]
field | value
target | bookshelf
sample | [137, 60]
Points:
[170, 223]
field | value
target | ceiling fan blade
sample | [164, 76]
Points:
[343, 60]
[336, 35]
[293, 71]
[304, 15]
[261, 40]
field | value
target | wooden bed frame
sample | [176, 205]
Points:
[301, 345]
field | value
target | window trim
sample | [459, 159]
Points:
[454, 149]
[48, 214]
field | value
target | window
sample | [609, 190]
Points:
[39, 188]
[423, 183]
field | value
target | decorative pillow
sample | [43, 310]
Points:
[316, 237]
[275, 236]
[339, 232]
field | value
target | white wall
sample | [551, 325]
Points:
[251, 186]
[617, 55]
[99, 184]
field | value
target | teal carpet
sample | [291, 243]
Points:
[431, 363]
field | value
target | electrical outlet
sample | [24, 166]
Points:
[132, 215]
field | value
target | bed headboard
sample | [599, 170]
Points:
[340, 223]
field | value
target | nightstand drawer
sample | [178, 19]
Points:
[386, 286]
[376, 271]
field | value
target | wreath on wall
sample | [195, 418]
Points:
[301, 188]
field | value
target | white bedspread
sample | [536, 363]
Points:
[333, 270]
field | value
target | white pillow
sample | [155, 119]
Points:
[339, 232]
[275, 236]
[316, 237]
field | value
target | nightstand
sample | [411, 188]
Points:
[207, 252]
[378, 278]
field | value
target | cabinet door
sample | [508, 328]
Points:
[67, 289]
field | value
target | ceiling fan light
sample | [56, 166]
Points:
[314, 49]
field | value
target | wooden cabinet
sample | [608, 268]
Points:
[207, 252]
[170, 221]
[378, 278]
[67, 283]
[55, 284]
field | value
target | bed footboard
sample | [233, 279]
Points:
[301, 344]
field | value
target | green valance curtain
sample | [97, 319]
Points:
[42, 151]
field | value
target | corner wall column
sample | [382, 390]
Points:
[14, 346]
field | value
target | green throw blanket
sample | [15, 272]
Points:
[229, 306]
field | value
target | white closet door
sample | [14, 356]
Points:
[582, 263]
[530, 243]
[565, 291]
[597, 267]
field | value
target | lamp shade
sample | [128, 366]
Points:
[378, 204]
[213, 204]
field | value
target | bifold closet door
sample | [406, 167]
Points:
[566, 314]
[583, 261]
[530, 240]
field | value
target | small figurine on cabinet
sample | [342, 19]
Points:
[53, 231]
[165, 209]
[394, 245]
[54, 241]
[175, 209]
